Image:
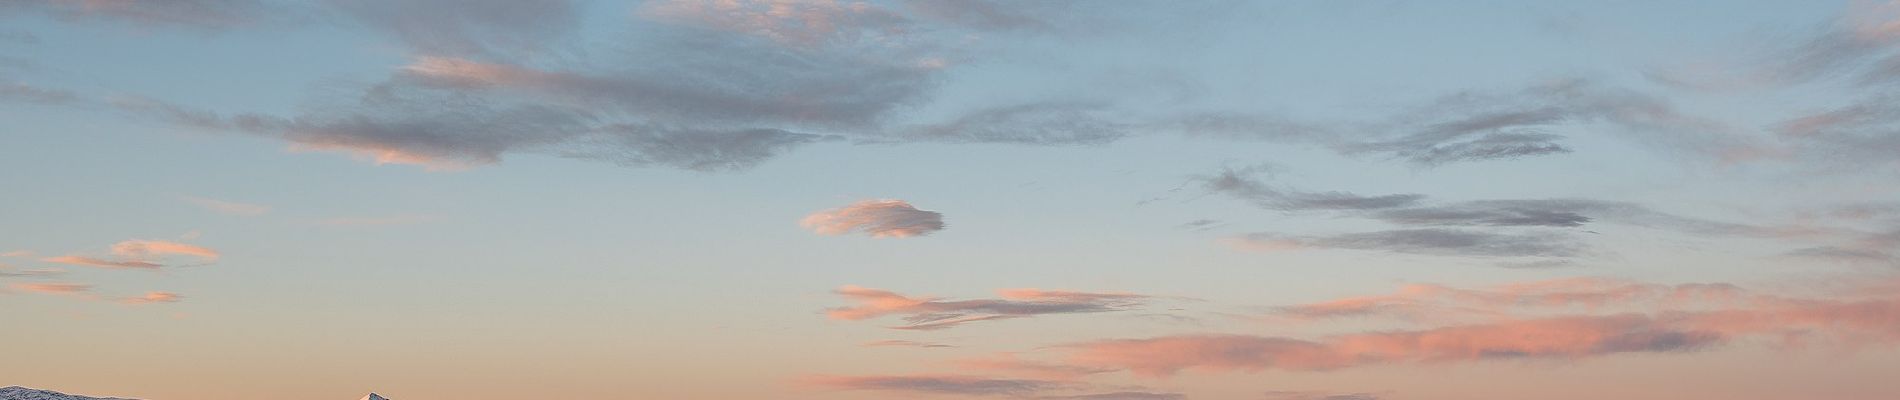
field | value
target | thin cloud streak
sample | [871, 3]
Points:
[929, 313]
[1684, 318]
[227, 207]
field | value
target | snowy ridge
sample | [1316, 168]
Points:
[20, 393]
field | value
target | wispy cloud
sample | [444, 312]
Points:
[1311, 395]
[227, 207]
[907, 343]
[102, 263]
[373, 221]
[10, 272]
[144, 254]
[53, 288]
[1241, 184]
[1683, 318]
[85, 292]
[877, 218]
[1448, 242]
[962, 385]
[928, 313]
[154, 297]
[196, 14]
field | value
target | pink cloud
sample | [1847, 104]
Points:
[142, 254]
[147, 249]
[53, 288]
[154, 297]
[449, 71]
[877, 218]
[1438, 302]
[1683, 318]
[382, 154]
[102, 263]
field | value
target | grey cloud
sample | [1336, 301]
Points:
[1200, 224]
[18, 37]
[199, 14]
[695, 149]
[1853, 135]
[989, 15]
[22, 92]
[933, 313]
[1032, 123]
[1432, 242]
[9, 272]
[1493, 146]
[1240, 184]
[457, 131]
[1489, 213]
[466, 28]
[1411, 209]
[718, 101]
[1878, 248]
[1477, 126]
[1254, 126]
[1568, 213]
[1846, 255]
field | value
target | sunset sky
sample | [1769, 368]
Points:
[951, 199]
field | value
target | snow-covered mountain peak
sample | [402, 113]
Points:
[20, 393]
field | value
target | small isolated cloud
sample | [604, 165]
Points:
[877, 218]
[154, 297]
[928, 313]
[144, 254]
[17, 253]
[227, 207]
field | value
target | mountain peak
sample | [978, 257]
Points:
[373, 396]
[25, 393]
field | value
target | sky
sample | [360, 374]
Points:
[951, 199]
